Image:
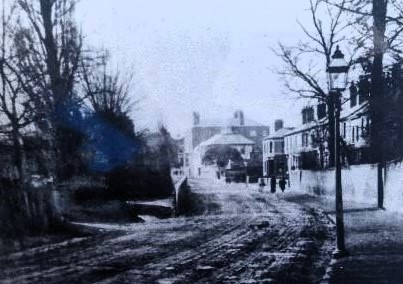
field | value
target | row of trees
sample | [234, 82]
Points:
[64, 113]
[57, 89]
[372, 32]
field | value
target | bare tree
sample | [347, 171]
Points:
[107, 92]
[109, 98]
[301, 75]
[14, 103]
[379, 22]
[49, 48]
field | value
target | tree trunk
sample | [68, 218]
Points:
[19, 156]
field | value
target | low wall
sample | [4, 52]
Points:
[394, 186]
[359, 183]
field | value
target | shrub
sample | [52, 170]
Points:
[133, 182]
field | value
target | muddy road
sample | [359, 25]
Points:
[234, 234]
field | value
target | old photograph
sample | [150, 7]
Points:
[201, 141]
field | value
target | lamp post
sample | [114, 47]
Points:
[337, 76]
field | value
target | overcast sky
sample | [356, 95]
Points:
[211, 56]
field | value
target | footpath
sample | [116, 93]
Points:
[374, 240]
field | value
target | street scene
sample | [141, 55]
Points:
[187, 141]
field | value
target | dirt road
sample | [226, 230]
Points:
[234, 235]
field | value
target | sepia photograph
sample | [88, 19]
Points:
[201, 141]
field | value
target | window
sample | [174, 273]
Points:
[271, 147]
[357, 133]
[243, 150]
[253, 133]
[264, 133]
[305, 139]
[353, 134]
[344, 130]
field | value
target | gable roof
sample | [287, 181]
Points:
[227, 139]
[279, 133]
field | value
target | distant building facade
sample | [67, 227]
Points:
[306, 146]
[238, 132]
[274, 157]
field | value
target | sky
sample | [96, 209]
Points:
[210, 56]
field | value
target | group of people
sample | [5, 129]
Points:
[273, 183]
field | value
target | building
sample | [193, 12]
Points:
[306, 146]
[238, 132]
[274, 158]
[222, 141]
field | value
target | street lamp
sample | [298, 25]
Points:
[337, 72]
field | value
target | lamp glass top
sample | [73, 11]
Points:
[337, 71]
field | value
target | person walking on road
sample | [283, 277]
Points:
[273, 184]
[261, 185]
[282, 183]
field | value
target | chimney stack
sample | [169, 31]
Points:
[196, 118]
[278, 124]
[239, 117]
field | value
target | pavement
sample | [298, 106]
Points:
[374, 241]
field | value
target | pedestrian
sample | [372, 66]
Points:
[273, 184]
[282, 184]
[261, 185]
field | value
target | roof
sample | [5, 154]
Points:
[346, 114]
[279, 133]
[227, 139]
[354, 112]
[304, 127]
